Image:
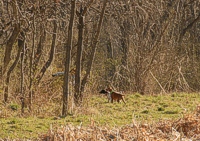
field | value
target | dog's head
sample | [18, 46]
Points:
[103, 92]
[109, 89]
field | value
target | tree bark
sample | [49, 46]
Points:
[80, 14]
[41, 45]
[51, 56]
[79, 56]
[20, 45]
[68, 47]
[110, 53]
[30, 87]
[94, 47]
[124, 28]
[12, 38]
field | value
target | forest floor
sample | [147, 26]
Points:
[168, 116]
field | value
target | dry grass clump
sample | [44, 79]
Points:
[186, 128]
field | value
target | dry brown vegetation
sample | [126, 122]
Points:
[186, 128]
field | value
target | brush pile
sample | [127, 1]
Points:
[186, 128]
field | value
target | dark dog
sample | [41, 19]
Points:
[106, 93]
[113, 95]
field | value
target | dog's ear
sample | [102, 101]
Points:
[102, 92]
[110, 87]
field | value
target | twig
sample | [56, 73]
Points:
[158, 82]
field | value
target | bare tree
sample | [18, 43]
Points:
[21, 42]
[13, 37]
[9, 72]
[94, 47]
[8, 50]
[51, 54]
[80, 14]
[68, 47]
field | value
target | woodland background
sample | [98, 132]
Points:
[148, 47]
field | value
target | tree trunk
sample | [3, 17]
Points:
[30, 88]
[110, 69]
[49, 61]
[11, 69]
[41, 45]
[22, 44]
[124, 84]
[68, 47]
[138, 76]
[94, 47]
[9, 46]
[80, 14]
[79, 56]
[12, 38]
[110, 53]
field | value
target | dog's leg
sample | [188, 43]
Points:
[123, 100]
[111, 99]
[108, 98]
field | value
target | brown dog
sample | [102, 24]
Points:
[115, 95]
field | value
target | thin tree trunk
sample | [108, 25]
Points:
[41, 45]
[138, 76]
[94, 47]
[124, 84]
[9, 46]
[22, 43]
[79, 56]
[110, 68]
[12, 38]
[31, 68]
[80, 15]
[51, 56]
[68, 47]
[125, 42]
[10, 71]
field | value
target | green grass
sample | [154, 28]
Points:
[138, 108]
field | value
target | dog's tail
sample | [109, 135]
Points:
[120, 93]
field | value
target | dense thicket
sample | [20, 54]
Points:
[139, 46]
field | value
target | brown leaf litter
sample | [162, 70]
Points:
[186, 128]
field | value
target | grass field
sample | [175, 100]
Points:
[143, 109]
